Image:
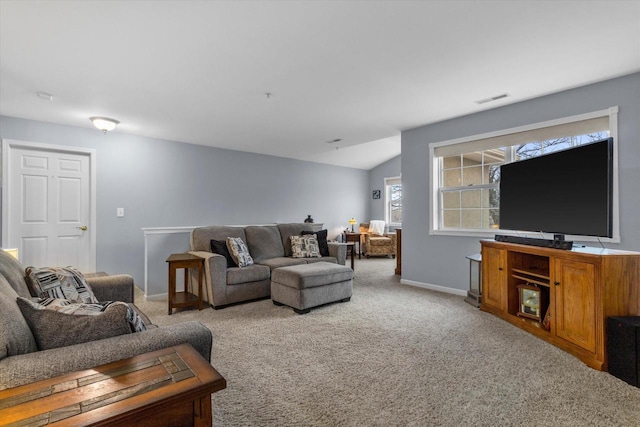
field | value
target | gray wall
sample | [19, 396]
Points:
[167, 184]
[388, 169]
[440, 260]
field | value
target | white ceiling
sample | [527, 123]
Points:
[361, 71]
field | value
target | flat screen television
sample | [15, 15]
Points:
[565, 192]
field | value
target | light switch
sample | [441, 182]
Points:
[120, 212]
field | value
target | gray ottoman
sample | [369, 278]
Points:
[305, 286]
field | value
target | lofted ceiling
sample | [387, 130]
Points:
[284, 78]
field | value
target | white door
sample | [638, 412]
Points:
[48, 210]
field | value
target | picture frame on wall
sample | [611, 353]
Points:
[376, 194]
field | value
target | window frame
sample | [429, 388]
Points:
[434, 162]
[388, 182]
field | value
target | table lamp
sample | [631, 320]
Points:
[352, 221]
[13, 252]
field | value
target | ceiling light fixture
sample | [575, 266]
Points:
[105, 124]
[44, 95]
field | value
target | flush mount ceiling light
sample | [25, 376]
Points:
[45, 96]
[105, 124]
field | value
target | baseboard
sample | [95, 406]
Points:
[156, 297]
[438, 288]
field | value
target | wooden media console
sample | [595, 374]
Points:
[579, 289]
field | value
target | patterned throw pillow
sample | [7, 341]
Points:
[60, 323]
[305, 246]
[239, 251]
[322, 240]
[60, 282]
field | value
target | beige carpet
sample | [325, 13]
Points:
[396, 356]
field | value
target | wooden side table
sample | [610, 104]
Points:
[356, 238]
[351, 248]
[186, 298]
[169, 387]
[399, 251]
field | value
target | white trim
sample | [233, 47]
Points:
[10, 144]
[167, 230]
[388, 181]
[437, 288]
[611, 112]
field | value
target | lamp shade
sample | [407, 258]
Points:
[352, 221]
[105, 124]
[12, 251]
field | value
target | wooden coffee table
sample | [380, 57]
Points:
[167, 387]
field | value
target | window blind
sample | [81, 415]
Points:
[543, 133]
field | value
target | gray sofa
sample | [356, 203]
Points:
[20, 360]
[270, 248]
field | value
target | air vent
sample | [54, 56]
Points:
[493, 98]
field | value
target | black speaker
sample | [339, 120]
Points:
[623, 348]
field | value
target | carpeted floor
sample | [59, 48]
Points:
[396, 356]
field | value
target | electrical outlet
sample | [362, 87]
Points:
[120, 212]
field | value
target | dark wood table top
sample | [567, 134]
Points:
[114, 392]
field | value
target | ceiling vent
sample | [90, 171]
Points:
[493, 98]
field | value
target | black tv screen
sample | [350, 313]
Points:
[566, 192]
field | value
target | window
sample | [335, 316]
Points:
[465, 190]
[393, 201]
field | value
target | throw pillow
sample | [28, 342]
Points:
[220, 247]
[305, 246]
[322, 240]
[60, 282]
[60, 323]
[239, 251]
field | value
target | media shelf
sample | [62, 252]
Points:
[564, 297]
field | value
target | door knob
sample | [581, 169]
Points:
[83, 228]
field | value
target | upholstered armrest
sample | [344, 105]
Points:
[112, 288]
[338, 251]
[393, 237]
[27, 368]
[215, 277]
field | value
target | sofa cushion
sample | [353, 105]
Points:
[15, 336]
[220, 247]
[264, 242]
[292, 229]
[305, 246]
[239, 251]
[200, 238]
[252, 273]
[311, 275]
[13, 271]
[322, 240]
[284, 261]
[56, 324]
[59, 282]
[330, 259]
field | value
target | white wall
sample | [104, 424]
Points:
[168, 184]
[440, 260]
